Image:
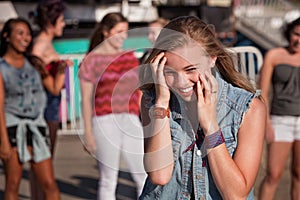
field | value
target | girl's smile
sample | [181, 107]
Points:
[183, 68]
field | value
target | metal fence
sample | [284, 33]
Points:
[71, 118]
[265, 18]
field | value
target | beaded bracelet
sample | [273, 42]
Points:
[214, 140]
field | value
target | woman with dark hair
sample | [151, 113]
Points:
[110, 104]
[23, 130]
[103, 27]
[281, 69]
[203, 123]
[48, 12]
[49, 16]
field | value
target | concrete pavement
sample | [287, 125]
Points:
[76, 174]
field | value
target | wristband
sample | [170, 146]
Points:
[159, 112]
[214, 140]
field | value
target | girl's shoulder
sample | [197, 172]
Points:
[277, 52]
[96, 55]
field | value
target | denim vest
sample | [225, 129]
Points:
[24, 92]
[24, 105]
[192, 178]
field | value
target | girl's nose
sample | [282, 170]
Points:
[182, 80]
[124, 35]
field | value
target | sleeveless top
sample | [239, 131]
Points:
[24, 92]
[24, 105]
[192, 178]
[116, 80]
[286, 90]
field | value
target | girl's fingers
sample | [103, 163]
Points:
[155, 61]
[206, 86]
[199, 92]
[212, 81]
[209, 89]
[158, 64]
[213, 85]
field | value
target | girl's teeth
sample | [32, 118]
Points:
[187, 89]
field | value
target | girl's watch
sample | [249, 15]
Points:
[159, 112]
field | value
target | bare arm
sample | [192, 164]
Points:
[5, 148]
[55, 84]
[266, 75]
[265, 84]
[158, 158]
[235, 177]
[87, 91]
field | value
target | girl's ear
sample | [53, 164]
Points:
[105, 34]
[213, 61]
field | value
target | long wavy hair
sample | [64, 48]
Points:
[6, 32]
[108, 22]
[184, 30]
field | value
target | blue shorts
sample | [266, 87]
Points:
[52, 108]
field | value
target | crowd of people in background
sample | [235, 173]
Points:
[186, 122]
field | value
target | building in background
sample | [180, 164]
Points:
[7, 11]
[254, 19]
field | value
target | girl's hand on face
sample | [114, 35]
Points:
[207, 95]
[157, 67]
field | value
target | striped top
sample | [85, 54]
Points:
[116, 80]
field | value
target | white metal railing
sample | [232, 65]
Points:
[265, 9]
[248, 61]
[71, 117]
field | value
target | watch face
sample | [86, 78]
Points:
[159, 112]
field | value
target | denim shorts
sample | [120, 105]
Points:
[52, 109]
[286, 128]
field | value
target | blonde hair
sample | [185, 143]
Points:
[183, 30]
